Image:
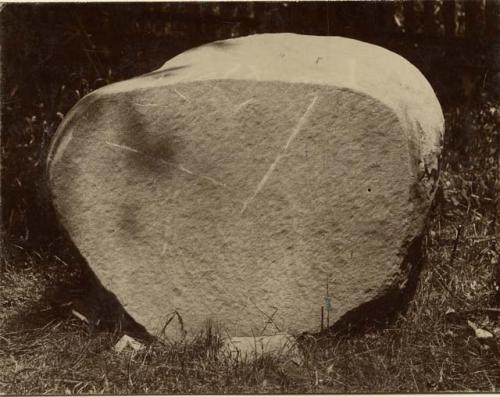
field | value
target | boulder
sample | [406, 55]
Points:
[266, 184]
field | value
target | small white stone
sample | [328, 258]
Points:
[480, 333]
[128, 341]
[79, 316]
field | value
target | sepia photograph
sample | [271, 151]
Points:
[241, 197]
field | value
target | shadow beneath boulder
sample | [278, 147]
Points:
[386, 308]
[70, 284]
[100, 307]
[381, 311]
[69, 288]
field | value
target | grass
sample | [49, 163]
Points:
[428, 347]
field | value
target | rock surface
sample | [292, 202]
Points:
[253, 183]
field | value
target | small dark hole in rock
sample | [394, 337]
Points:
[369, 189]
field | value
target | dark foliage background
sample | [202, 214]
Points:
[54, 54]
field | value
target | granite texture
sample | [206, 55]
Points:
[252, 184]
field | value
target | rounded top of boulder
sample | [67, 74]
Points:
[323, 60]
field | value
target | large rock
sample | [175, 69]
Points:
[256, 183]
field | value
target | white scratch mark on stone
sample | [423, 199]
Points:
[188, 171]
[182, 96]
[241, 105]
[214, 181]
[180, 167]
[122, 147]
[281, 154]
[151, 105]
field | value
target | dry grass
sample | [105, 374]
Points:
[427, 348]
